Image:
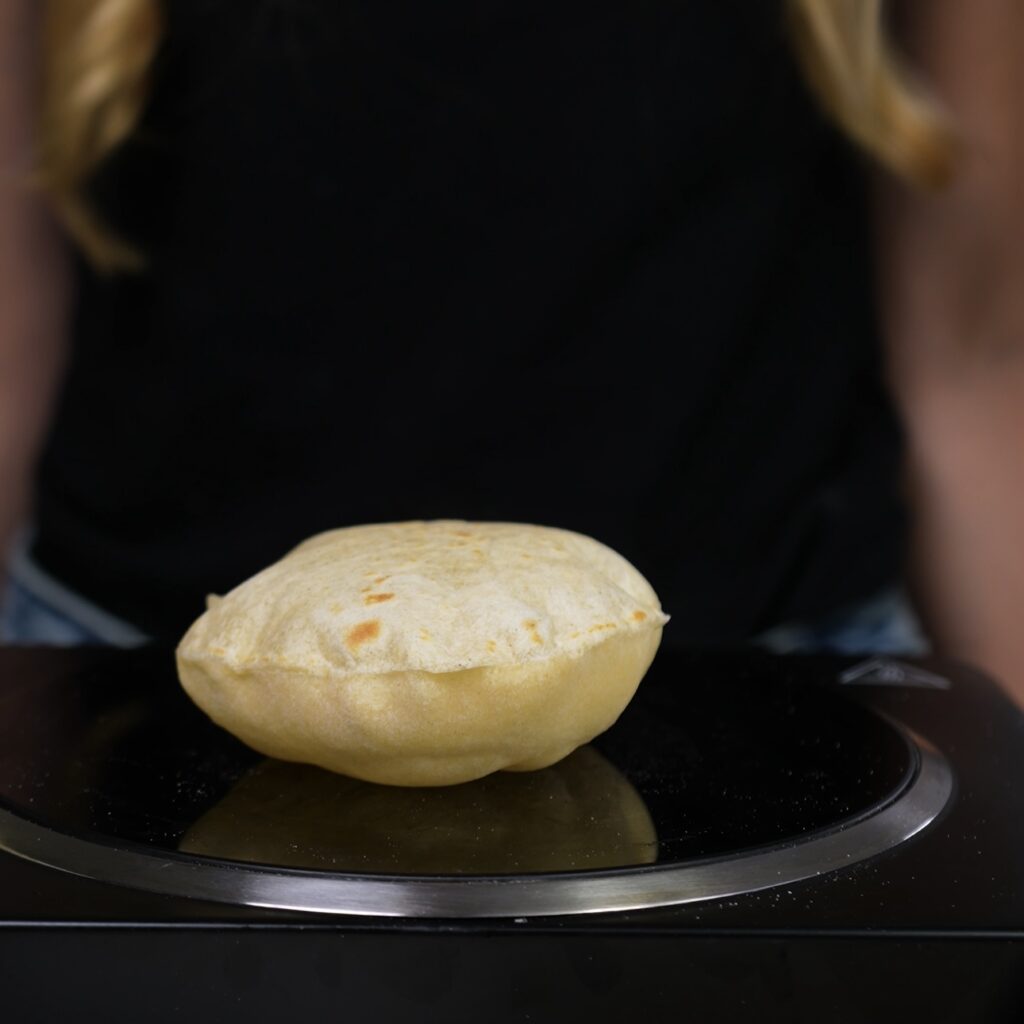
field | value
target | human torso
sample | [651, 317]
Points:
[599, 266]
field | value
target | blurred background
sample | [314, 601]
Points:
[734, 288]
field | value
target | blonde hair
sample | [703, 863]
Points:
[98, 54]
[868, 90]
[96, 60]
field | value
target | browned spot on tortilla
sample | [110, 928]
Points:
[425, 634]
[361, 633]
[334, 607]
[639, 616]
[491, 646]
[530, 625]
[462, 533]
[219, 651]
[600, 626]
[377, 598]
[380, 579]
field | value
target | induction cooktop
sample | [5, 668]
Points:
[741, 797]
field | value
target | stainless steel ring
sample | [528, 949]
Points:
[920, 802]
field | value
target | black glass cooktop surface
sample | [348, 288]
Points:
[702, 764]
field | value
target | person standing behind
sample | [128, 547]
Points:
[949, 267]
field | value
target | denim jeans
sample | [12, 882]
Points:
[884, 624]
[56, 619]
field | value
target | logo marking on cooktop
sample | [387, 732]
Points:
[889, 672]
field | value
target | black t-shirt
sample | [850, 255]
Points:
[598, 265]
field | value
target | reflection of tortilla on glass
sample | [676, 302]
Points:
[580, 814]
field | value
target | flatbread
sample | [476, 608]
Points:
[426, 653]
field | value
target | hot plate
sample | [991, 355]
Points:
[708, 786]
[724, 757]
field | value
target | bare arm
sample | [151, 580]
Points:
[953, 298]
[33, 277]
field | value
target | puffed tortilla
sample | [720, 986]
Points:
[426, 653]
